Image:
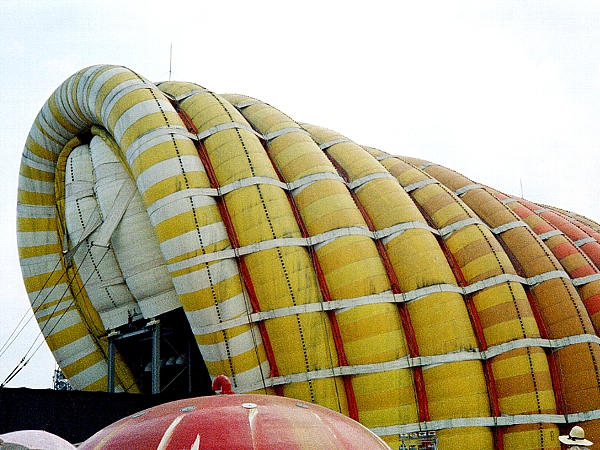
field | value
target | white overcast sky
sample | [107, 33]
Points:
[504, 92]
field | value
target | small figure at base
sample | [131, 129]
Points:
[575, 440]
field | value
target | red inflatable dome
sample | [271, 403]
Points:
[235, 422]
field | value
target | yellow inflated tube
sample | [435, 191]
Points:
[389, 289]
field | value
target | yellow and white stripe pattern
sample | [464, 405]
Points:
[387, 288]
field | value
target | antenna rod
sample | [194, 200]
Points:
[170, 60]
[521, 182]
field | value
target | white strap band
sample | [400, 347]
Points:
[463, 190]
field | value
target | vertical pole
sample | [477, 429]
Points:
[111, 365]
[189, 364]
[156, 357]
[170, 60]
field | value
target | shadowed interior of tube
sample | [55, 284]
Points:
[183, 372]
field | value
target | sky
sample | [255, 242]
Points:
[505, 92]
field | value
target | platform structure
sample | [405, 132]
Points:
[162, 354]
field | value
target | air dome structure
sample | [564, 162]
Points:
[245, 421]
[164, 226]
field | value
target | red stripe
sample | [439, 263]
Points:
[477, 329]
[592, 304]
[203, 154]
[544, 332]
[335, 329]
[552, 363]
[409, 332]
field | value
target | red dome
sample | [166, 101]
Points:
[235, 422]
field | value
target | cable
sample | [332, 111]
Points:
[16, 331]
[35, 308]
[21, 365]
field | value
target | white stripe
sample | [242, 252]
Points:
[38, 138]
[384, 156]
[66, 108]
[190, 241]
[39, 265]
[424, 361]
[29, 156]
[179, 202]
[549, 234]
[34, 238]
[463, 190]
[159, 304]
[36, 211]
[226, 310]
[324, 238]
[154, 137]
[282, 131]
[168, 168]
[584, 241]
[326, 145]
[585, 280]
[247, 103]
[500, 421]
[95, 88]
[360, 182]
[37, 163]
[89, 376]
[51, 127]
[118, 93]
[48, 295]
[60, 322]
[306, 308]
[196, 444]
[296, 186]
[166, 438]
[494, 281]
[37, 186]
[583, 416]
[301, 377]
[417, 294]
[199, 279]
[237, 345]
[74, 351]
[386, 297]
[253, 376]
[250, 181]
[75, 190]
[54, 304]
[226, 126]
[113, 218]
[137, 112]
[387, 234]
[540, 278]
[448, 230]
[116, 316]
[425, 165]
[508, 226]
[191, 93]
[420, 184]
[222, 255]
